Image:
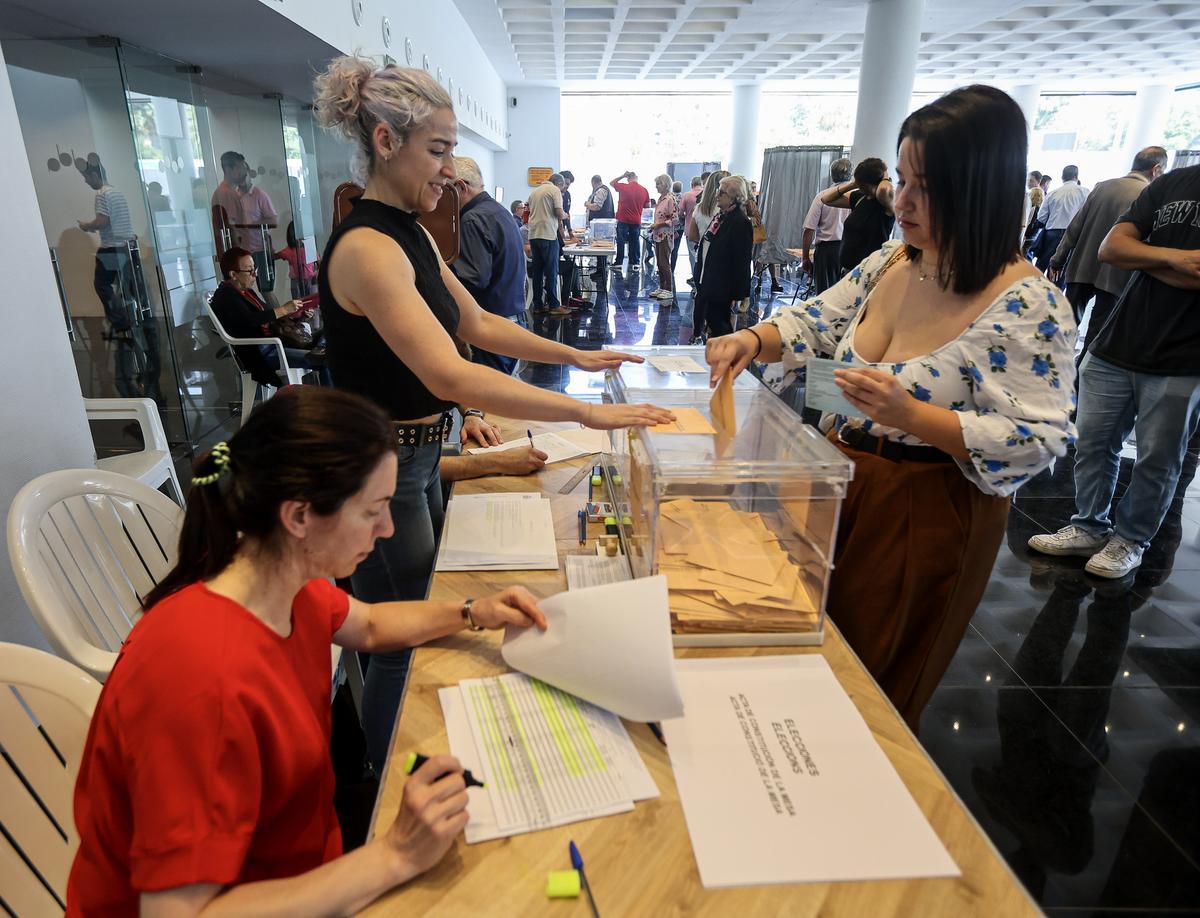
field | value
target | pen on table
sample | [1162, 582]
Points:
[583, 527]
[577, 863]
[529, 434]
[415, 760]
[657, 731]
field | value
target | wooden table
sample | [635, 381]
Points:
[640, 863]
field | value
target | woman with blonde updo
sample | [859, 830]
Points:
[392, 310]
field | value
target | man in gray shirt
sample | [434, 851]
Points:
[1079, 249]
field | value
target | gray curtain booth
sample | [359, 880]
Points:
[791, 178]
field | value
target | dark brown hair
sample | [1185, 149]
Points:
[229, 261]
[308, 443]
[973, 156]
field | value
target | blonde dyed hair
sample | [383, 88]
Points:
[353, 95]
[707, 204]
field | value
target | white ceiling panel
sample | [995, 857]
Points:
[961, 40]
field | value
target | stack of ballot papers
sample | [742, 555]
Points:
[498, 532]
[558, 446]
[547, 741]
[728, 572]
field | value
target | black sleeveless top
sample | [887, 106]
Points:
[359, 359]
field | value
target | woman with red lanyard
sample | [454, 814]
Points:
[243, 313]
[206, 784]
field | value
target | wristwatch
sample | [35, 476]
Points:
[467, 617]
[473, 413]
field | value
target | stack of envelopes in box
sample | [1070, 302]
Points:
[727, 571]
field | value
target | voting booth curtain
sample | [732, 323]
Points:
[791, 176]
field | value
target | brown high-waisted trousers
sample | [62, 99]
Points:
[916, 544]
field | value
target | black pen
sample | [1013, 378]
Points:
[657, 731]
[582, 527]
[529, 434]
[415, 760]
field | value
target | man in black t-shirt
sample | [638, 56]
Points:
[1142, 373]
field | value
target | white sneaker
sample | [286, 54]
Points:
[663, 295]
[1116, 560]
[1070, 540]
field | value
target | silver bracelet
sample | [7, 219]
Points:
[468, 617]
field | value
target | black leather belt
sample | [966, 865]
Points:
[857, 438]
[424, 434]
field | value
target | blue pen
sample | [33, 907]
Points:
[657, 731]
[529, 434]
[577, 863]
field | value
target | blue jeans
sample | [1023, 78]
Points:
[1163, 410]
[545, 273]
[629, 234]
[399, 568]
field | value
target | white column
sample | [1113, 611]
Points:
[42, 424]
[743, 144]
[885, 81]
[1149, 120]
[1027, 96]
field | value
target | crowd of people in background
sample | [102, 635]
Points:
[956, 354]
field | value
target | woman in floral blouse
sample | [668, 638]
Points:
[661, 230]
[960, 370]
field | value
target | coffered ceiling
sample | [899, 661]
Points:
[565, 41]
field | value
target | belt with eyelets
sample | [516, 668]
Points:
[424, 434]
[857, 438]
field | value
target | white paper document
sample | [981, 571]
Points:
[505, 532]
[821, 392]
[782, 782]
[595, 570]
[610, 645]
[684, 364]
[558, 446]
[545, 757]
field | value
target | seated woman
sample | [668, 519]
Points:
[959, 368]
[206, 783]
[243, 313]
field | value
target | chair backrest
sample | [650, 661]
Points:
[46, 705]
[86, 545]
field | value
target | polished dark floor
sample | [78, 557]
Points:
[1069, 720]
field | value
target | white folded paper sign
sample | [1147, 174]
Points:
[610, 645]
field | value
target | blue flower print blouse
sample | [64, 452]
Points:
[1010, 376]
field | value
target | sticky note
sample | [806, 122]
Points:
[687, 421]
[821, 393]
[562, 884]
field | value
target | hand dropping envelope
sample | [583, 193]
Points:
[721, 407]
[610, 645]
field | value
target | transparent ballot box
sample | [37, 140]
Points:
[648, 376]
[743, 524]
[603, 230]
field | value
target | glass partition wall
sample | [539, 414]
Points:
[133, 291]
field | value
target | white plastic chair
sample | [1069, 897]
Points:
[46, 705]
[249, 385]
[151, 465]
[86, 545]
